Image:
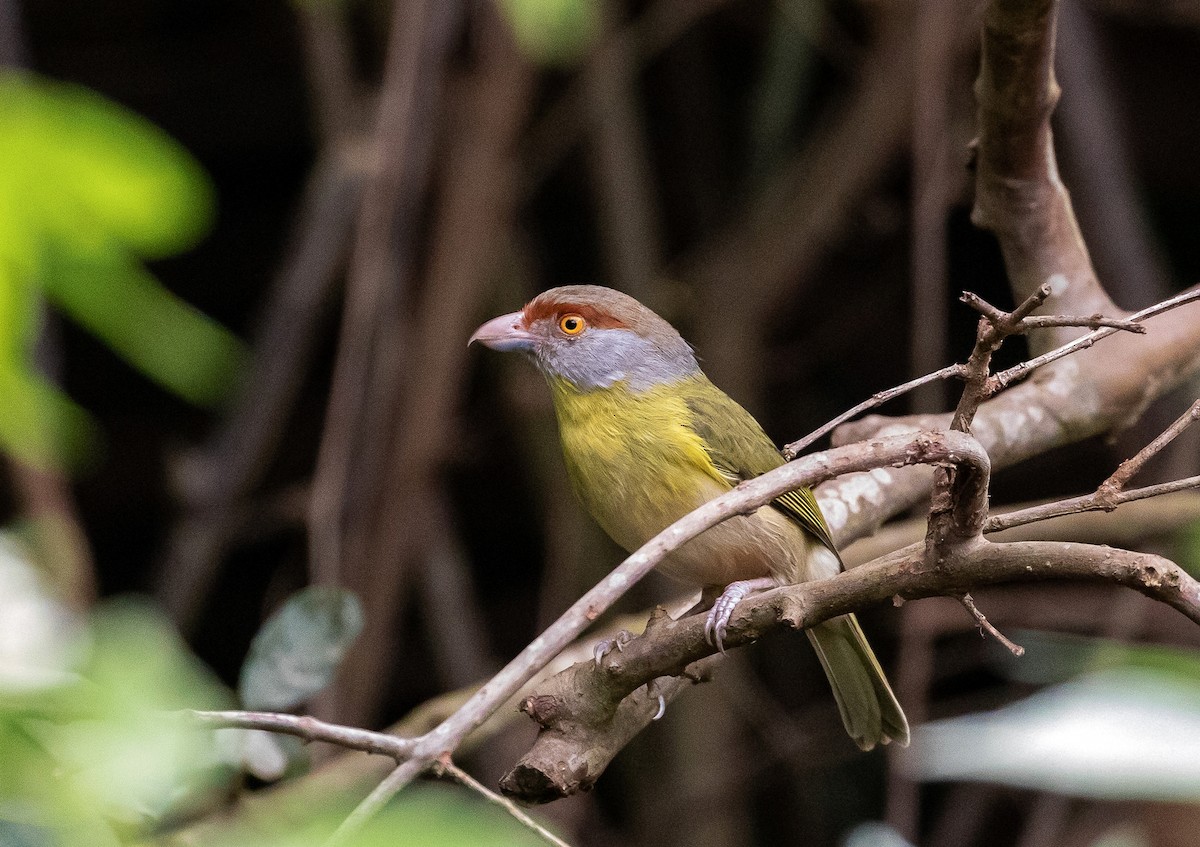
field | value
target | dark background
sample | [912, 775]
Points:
[719, 125]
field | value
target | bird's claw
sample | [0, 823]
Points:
[652, 690]
[716, 626]
[617, 642]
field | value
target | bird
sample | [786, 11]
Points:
[647, 438]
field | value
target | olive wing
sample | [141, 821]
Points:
[740, 450]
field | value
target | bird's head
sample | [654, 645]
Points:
[593, 337]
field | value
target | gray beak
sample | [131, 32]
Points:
[504, 333]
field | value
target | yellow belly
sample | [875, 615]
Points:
[638, 467]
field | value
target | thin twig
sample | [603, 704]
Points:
[309, 729]
[992, 313]
[1028, 322]
[958, 370]
[968, 602]
[946, 523]
[1086, 503]
[1093, 321]
[994, 329]
[794, 449]
[1128, 468]
[463, 778]
[1018, 372]
[1111, 492]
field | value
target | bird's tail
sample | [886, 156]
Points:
[869, 709]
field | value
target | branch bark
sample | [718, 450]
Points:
[1019, 195]
[586, 704]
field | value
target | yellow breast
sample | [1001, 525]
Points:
[633, 459]
[638, 466]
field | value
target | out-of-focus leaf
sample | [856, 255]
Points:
[298, 649]
[96, 754]
[39, 424]
[553, 32]
[425, 815]
[156, 332]
[130, 756]
[84, 159]
[40, 639]
[1055, 657]
[875, 834]
[1123, 733]
[93, 191]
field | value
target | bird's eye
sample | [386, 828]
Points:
[571, 324]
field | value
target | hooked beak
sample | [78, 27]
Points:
[504, 333]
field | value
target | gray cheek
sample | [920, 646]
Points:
[602, 359]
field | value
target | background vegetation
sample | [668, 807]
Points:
[241, 248]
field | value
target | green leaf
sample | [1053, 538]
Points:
[98, 189]
[425, 815]
[39, 424]
[90, 746]
[156, 332]
[84, 158]
[553, 32]
[298, 649]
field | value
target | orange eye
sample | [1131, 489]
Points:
[572, 324]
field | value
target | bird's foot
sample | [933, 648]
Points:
[722, 610]
[617, 642]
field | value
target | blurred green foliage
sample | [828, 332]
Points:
[91, 749]
[1187, 548]
[427, 815]
[553, 32]
[95, 753]
[89, 192]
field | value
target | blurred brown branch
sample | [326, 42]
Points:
[474, 207]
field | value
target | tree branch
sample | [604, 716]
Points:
[1019, 195]
[308, 729]
[587, 715]
[671, 647]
